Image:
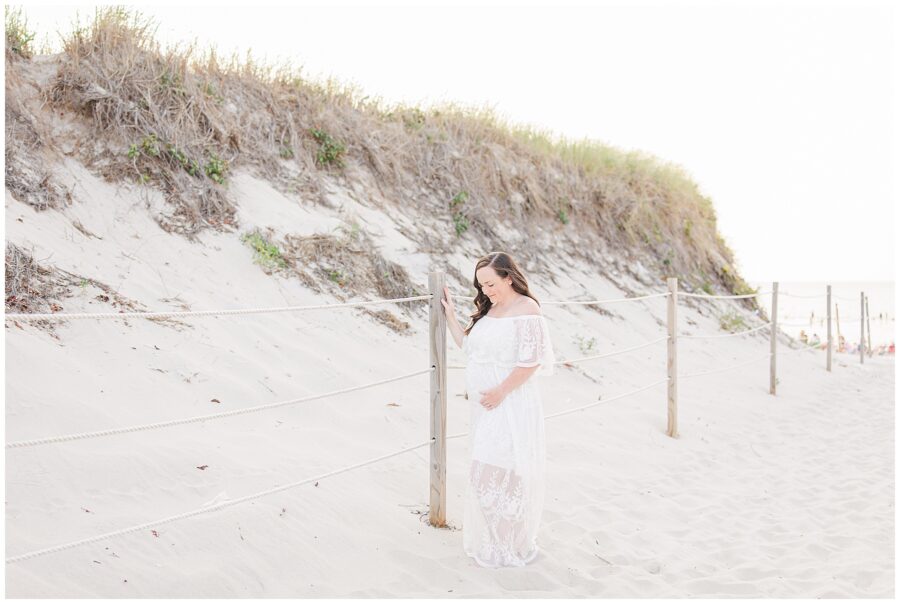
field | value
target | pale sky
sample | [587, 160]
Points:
[782, 112]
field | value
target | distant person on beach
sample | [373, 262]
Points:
[803, 337]
[506, 342]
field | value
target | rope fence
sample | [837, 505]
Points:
[596, 356]
[722, 297]
[203, 418]
[728, 335]
[212, 508]
[799, 296]
[202, 313]
[577, 302]
[765, 356]
[611, 354]
[437, 371]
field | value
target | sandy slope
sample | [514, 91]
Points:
[786, 496]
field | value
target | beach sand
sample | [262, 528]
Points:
[759, 496]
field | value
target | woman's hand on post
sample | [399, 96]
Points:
[452, 322]
[447, 302]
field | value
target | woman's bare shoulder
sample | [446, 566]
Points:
[527, 306]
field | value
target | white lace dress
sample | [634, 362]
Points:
[505, 490]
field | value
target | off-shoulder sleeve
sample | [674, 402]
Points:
[533, 345]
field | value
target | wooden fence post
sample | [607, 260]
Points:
[437, 329]
[773, 338]
[837, 324]
[862, 327]
[672, 363]
[830, 345]
[868, 329]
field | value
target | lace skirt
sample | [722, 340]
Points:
[505, 491]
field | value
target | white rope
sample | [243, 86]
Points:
[204, 510]
[729, 335]
[722, 297]
[200, 418]
[462, 297]
[455, 436]
[798, 296]
[609, 400]
[563, 302]
[612, 354]
[596, 356]
[198, 313]
[680, 294]
[634, 299]
[765, 356]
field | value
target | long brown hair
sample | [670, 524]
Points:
[504, 265]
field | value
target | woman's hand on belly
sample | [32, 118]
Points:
[492, 397]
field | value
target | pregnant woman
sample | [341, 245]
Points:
[506, 342]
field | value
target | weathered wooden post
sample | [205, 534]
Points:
[773, 337]
[828, 354]
[437, 329]
[837, 324]
[868, 328]
[862, 327]
[672, 362]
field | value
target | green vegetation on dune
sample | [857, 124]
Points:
[204, 117]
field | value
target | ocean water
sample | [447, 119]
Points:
[811, 312]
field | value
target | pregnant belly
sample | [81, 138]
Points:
[491, 438]
[483, 376]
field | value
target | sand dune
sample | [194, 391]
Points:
[760, 496]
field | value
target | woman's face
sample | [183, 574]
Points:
[495, 287]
